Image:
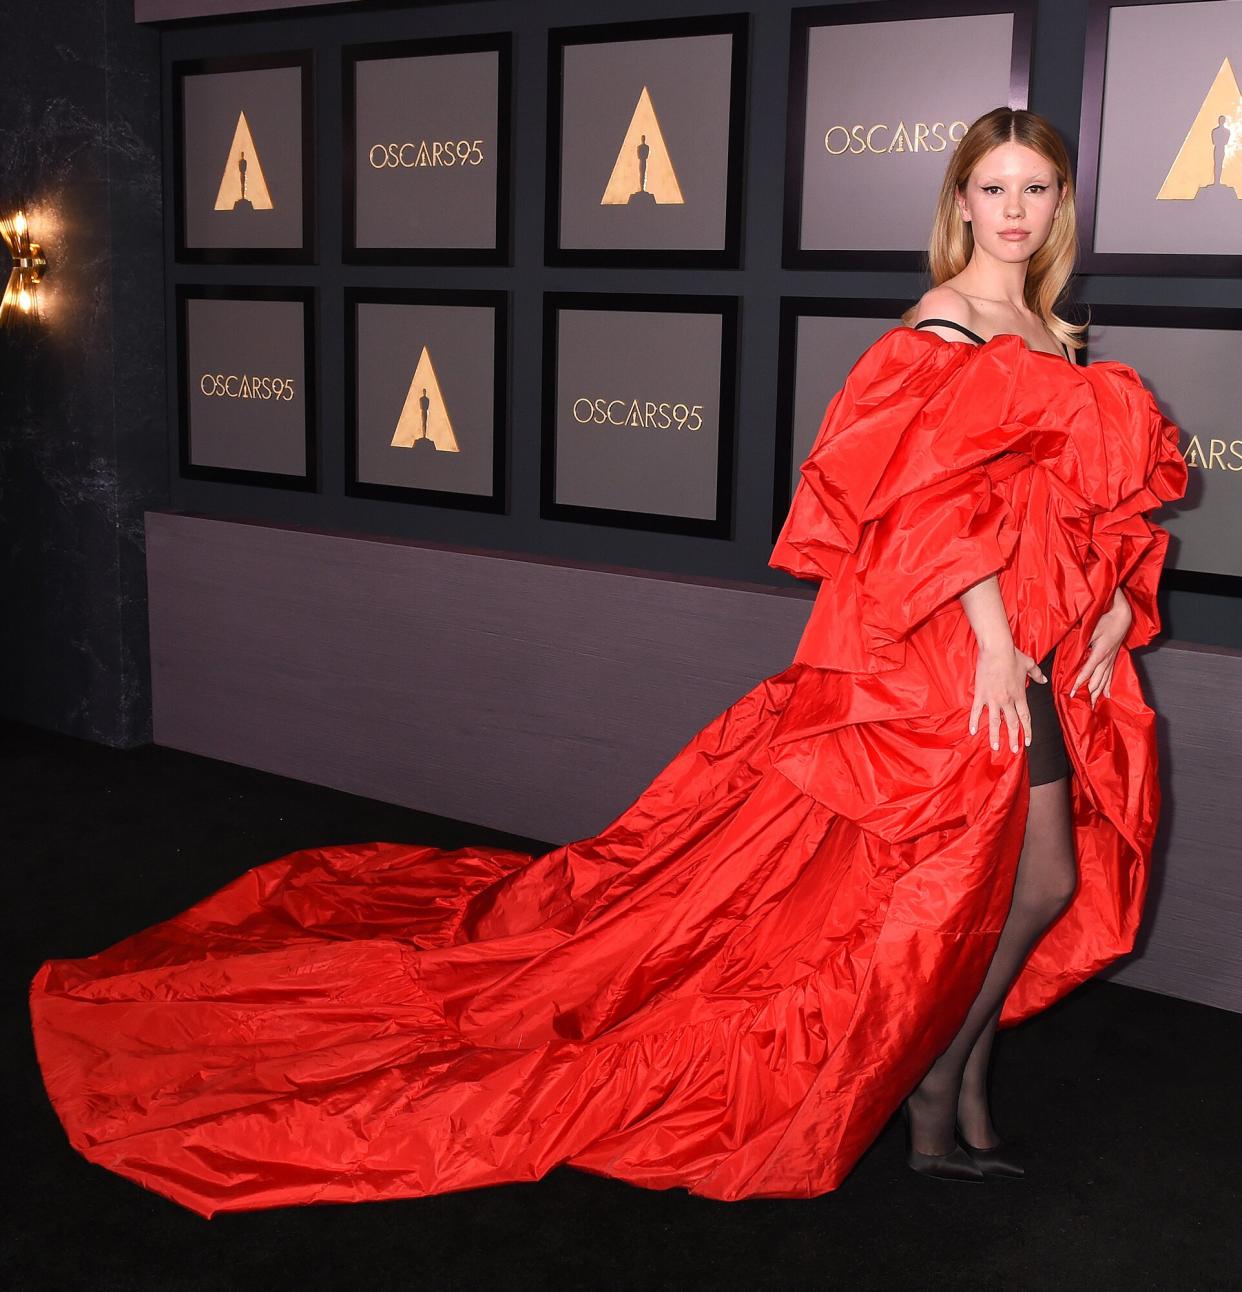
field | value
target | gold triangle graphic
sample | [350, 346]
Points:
[1194, 167]
[627, 178]
[439, 429]
[243, 149]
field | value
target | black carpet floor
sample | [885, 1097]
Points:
[1125, 1103]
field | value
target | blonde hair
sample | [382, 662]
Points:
[952, 240]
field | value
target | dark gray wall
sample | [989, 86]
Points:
[1056, 92]
[377, 667]
[86, 421]
[82, 414]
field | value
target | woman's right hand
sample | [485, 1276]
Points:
[1000, 688]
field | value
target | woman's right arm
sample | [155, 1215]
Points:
[1002, 670]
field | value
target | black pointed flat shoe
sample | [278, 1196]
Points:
[954, 1165]
[995, 1161]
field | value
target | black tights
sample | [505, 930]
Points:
[955, 1086]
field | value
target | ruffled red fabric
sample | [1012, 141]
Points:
[730, 988]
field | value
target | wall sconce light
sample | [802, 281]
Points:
[21, 295]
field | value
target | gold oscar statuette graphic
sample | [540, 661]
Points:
[1211, 154]
[242, 186]
[424, 422]
[1219, 455]
[643, 173]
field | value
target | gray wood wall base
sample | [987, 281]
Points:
[540, 697]
[1190, 943]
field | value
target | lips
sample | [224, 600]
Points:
[1014, 234]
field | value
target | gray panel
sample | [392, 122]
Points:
[446, 355]
[1195, 375]
[679, 90]
[884, 113]
[526, 695]
[638, 411]
[269, 141]
[425, 150]
[173, 10]
[541, 697]
[246, 384]
[1169, 82]
[1190, 944]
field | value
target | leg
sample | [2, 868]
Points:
[972, 1100]
[1044, 883]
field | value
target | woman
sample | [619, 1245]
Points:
[1004, 238]
[815, 910]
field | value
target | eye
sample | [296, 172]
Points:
[1042, 188]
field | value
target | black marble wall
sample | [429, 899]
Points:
[82, 422]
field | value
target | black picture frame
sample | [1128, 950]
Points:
[1178, 317]
[501, 251]
[792, 309]
[735, 25]
[305, 254]
[793, 255]
[718, 525]
[1086, 192]
[795, 307]
[308, 482]
[499, 302]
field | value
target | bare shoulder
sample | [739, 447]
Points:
[945, 302]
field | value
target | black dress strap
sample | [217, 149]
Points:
[949, 323]
[975, 336]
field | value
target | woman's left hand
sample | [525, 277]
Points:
[1110, 632]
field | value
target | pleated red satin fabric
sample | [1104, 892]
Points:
[730, 988]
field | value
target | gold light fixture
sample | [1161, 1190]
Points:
[21, 295]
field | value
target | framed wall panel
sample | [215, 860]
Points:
[1191, 361]
[427, 151]
[638, 411]
[645, 135]
[1160, 145]
[244, 159]
[427, 396]
[821, 338]
[866, 153]
[245, 380]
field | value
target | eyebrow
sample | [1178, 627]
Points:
[991, 179]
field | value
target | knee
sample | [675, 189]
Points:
[1063, 890]
[1046, 899]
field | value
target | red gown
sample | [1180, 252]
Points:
[731, 987]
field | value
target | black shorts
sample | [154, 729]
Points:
[1046, 759]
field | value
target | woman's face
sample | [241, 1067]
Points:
[1011, 192]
